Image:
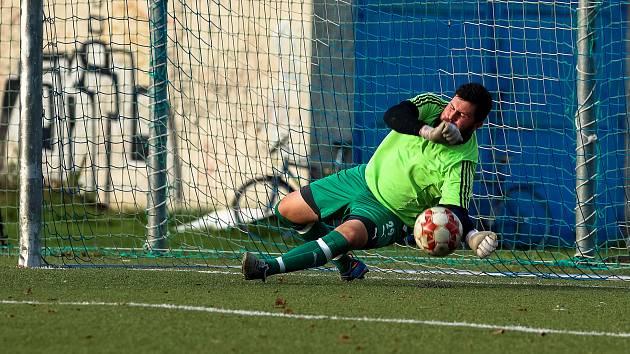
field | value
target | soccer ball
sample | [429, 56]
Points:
[438, 231]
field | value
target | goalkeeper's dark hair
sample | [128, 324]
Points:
[478, 95]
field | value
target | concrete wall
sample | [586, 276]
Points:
[332, 83]
[239, 84]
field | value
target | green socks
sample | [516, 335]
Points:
[312, 232]
[315, 231]
[311, 254]
[308, 232]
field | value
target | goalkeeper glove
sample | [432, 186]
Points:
[451, 133]
[482, 242]
[445, 134]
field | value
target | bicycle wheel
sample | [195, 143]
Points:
[256, 199]
[524, 219]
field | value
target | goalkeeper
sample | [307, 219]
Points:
[428, 159]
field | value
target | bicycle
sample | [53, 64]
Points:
[256, 198]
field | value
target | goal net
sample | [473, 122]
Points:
[266, 96]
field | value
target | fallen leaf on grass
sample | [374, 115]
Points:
[280, 302]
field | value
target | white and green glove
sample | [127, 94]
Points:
[451, 133]
[445, 134]
[482, 242]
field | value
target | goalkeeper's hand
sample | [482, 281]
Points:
[482, 242]
[451, 133]
[445, 134]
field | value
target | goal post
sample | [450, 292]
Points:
[157, 214]
[170, 128]
[586, 129]
[30, 135]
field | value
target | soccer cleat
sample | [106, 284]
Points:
[357, 271]
[253, 268]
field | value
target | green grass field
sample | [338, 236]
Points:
[116, 310]
[213, 310]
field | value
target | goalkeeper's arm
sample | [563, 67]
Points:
[404, 118]
[482, 242]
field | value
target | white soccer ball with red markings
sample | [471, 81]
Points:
[438, 231]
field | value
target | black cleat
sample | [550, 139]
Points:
[253, 268]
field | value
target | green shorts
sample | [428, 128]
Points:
[345, 195]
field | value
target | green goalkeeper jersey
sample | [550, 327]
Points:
[409, 174]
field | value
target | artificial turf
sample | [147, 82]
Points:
[58, 310]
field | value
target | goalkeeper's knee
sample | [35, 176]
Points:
[300, 228]
[309, 232]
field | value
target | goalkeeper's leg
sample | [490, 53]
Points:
[352, 234]
[293, 205]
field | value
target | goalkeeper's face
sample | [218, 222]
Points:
[461, 113]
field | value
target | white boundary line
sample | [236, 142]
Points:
[248, 313]
[415, 277]
[408, 276]
[444, 271]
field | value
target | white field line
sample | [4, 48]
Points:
[463, 280]
[466, 273]
[248, 313]
[410, 276]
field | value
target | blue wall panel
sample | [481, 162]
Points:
[525, 54]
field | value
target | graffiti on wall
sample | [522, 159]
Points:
[97, 109]
[90, 102]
